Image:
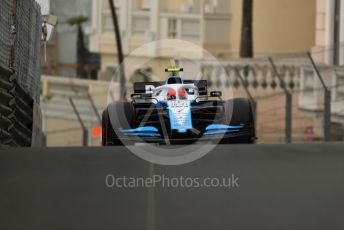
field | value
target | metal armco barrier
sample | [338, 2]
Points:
[7, 102]
[296, 187]
[16, 109]
[37, 129]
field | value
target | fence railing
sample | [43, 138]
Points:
[293, 76]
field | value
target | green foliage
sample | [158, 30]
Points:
[77, 20]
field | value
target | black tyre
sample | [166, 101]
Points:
[117, 115]
[240, 111]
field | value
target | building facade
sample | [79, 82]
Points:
[328, 52]
[329, 47]
[215, 25]
[61, 50]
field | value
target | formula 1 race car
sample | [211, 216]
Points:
[178, 112]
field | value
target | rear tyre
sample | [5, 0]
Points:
[116, 116]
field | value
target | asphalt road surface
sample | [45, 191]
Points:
[272, 187]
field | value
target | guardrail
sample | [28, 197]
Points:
[16, 111]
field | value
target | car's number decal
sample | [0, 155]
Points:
[180, 114]
[180, 104]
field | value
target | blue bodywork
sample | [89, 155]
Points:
[147, 131]
[222, 129]
[181, 127]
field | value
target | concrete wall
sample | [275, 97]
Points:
[59, 120]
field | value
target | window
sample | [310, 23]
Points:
[307, 79]
[340, 84]
[172, 28]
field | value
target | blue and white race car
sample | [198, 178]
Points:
[178, 112]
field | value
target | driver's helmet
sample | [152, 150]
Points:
[171, 94]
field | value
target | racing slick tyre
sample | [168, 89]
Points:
[111, 125]
[240, 111]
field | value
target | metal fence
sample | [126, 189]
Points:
[296, 99]
[27, 46]
[20, 36]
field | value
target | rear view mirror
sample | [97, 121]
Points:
[137, 96]
[216, 94]
[190, 91]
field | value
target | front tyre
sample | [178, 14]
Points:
[240, 111]
[116, 116]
